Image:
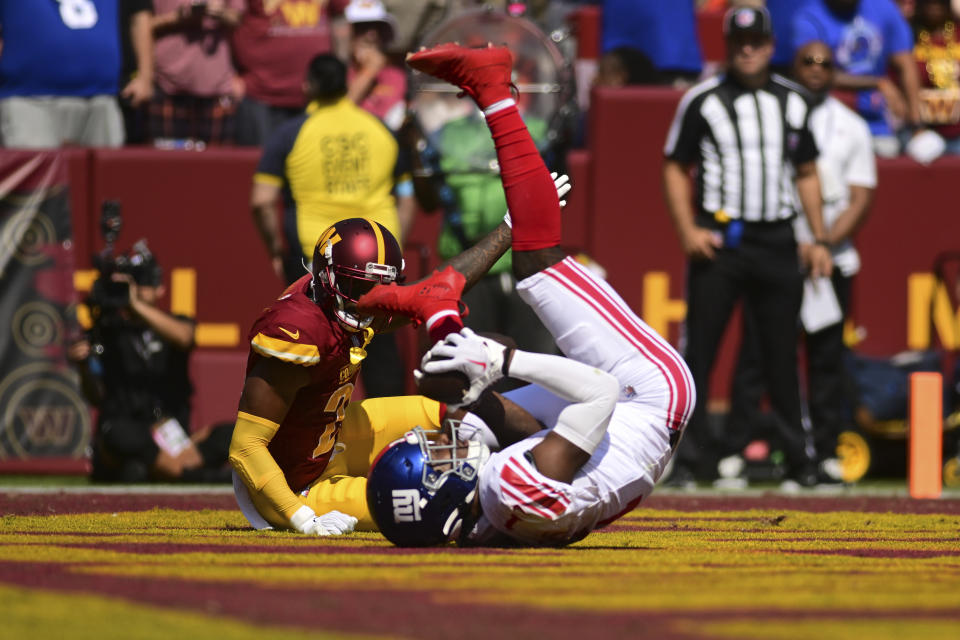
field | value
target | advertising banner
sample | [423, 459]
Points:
[43, 415]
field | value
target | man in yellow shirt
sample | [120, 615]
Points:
[335, 161]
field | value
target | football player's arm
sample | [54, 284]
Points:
[508, 421]
[268, 392]
[477, 260]
[580, 426]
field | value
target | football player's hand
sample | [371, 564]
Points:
[561, 182]
[480, 359]
[332, 523]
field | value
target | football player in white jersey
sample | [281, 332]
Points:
[587, 440]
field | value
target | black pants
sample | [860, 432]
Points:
[827, 385]
[763, 272]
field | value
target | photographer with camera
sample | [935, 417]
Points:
[134, 368]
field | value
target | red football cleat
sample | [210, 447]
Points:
[484, 74]
[419, 301]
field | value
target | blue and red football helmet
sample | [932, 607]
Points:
[350, 257]
[421, 491]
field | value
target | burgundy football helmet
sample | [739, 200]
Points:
[351, 257]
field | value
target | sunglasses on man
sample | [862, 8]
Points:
[822, 61]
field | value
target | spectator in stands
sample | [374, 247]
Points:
[937, 56]
[372, 81]
[272, 45]
[623, 67]
[134, 369]
[620, 67]
[848, 177]
[136, 75]
[782, 13]
[417, 18]
[196, 86]
[552, 17]
[867, 38]
[58, 74]
[665, 31]
[336, 161]
[746, 132]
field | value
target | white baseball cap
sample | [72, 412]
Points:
[370, 11]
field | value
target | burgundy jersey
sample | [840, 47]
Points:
[295, 330]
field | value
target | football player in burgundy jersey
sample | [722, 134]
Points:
[587, 440]
[300, 452]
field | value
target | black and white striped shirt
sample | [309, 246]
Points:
[745, 143]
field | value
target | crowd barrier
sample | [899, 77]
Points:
[193, 209]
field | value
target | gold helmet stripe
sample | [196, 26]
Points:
[381, 248]
[330, 234]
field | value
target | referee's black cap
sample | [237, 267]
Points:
[747, 20]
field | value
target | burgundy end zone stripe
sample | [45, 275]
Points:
[569, 275]
[516, 478]
[630, 507]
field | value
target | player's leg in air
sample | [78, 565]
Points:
[590, 321]
[484, 75]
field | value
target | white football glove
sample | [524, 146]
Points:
[480, 359]
[332, 523]
[562, 183]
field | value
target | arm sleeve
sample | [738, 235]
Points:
[806, 150]
[593, 393]
[272, 166]
[683, 138]
[257, 468]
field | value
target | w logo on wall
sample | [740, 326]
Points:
[42, 413]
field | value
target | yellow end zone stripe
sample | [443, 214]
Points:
[183, 292]
[217, 334]
[290, 351]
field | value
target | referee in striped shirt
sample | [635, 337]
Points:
[746, 134]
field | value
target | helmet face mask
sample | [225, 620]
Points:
[350, 258]
[421, 489]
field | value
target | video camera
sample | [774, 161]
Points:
[140, 264]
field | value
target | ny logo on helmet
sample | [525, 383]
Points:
[406, 505]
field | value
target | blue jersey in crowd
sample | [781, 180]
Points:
[665, 30]
[781, 18]
[862, 44]
[59, 48]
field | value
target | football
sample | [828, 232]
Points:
[444, 387]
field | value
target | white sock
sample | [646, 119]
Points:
[500, 105]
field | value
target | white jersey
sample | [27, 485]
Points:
[591, 324]
[846, 158]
